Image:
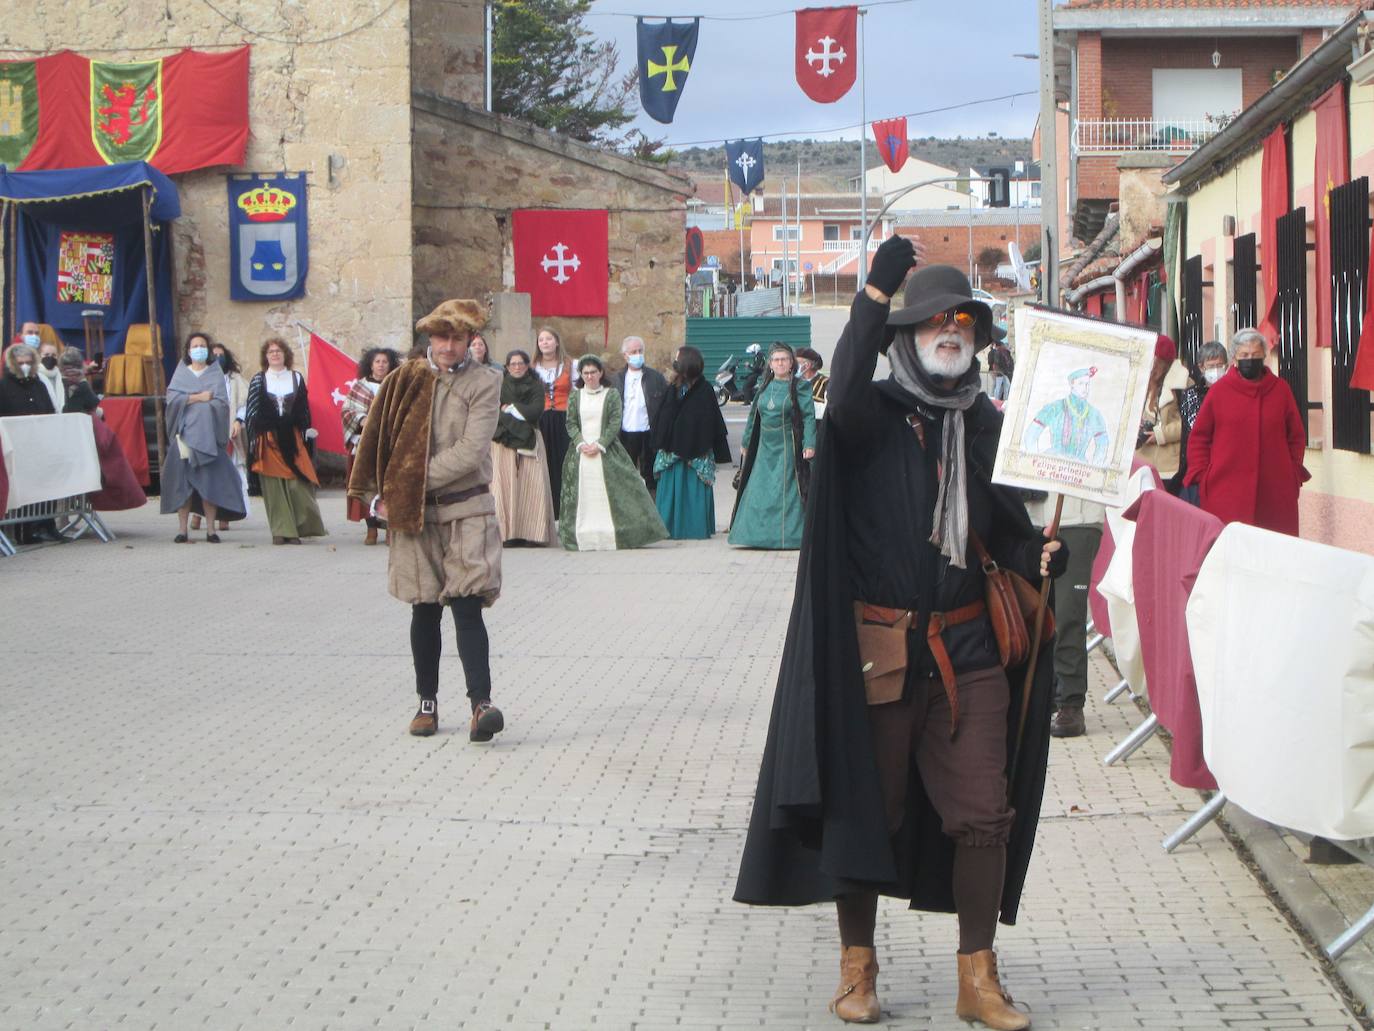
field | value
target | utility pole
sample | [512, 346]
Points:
[1049, 162]
[863, 156]
[487, 62]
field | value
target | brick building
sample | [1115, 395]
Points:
[1148, 81]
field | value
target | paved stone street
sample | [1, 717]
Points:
[211, 815]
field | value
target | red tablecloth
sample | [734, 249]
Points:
[1171, 540]
[124, 415]
[119, 487]
[1097, 604]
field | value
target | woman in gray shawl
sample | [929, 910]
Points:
[197, 474]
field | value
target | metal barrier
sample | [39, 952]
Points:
[75, 512]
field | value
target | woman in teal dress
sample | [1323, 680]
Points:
[779, 439]
[605, 505]
[689, 438]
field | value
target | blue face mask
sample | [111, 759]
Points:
[32, 339]
[199, 354]
[636, 361]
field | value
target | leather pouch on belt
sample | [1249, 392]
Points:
[882, 651]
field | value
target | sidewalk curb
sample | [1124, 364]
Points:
[1309, 905]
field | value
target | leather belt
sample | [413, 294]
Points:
[457, 496]
[938, 622]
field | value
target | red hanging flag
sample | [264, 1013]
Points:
[1362, 375]
[177, 113]
[329, 375]
[562, 260]
[1273, 205]
[1332, 170]
[890, 134]
[827, 52]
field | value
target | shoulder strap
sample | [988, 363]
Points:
[983, 557]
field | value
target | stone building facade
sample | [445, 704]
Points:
[375, 100]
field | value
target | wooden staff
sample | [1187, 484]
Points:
[154, 328]
[1051, 534]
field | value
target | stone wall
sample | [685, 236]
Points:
[338, 110]
[469, 168]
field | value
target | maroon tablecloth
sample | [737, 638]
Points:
[119, 487]
[1097, 604]
[124, 415]
[1171, 539]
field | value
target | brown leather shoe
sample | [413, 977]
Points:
[371, 536]
[982, 997]
[426, 721]
[856, 999]
[487, 722]
[1068, 722]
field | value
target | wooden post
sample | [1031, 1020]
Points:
[1051, 533]
[12, 245]
[155, 328]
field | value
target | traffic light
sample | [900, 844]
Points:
[999, 188]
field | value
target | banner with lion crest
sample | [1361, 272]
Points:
[178, 113]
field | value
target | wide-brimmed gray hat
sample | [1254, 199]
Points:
[937, 288]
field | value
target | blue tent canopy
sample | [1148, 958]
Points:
[114, 192]
[97, 214]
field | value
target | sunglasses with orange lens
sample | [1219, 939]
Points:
[962, 319]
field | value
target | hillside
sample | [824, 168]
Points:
[833, 161]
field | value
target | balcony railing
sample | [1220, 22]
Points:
[849, 245]
[1114, 135]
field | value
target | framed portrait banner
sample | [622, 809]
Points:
[1071, 422]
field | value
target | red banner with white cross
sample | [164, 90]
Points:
[827, 54]
[562, 260]
[328, 378]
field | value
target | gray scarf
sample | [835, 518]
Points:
[950, 520]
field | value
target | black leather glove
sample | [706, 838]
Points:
[894, 258]
[1059, 560]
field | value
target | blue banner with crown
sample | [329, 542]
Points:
[269, 242]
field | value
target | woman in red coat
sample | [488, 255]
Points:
[1246, 448]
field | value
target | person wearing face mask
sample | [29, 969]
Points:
[237, 389]
[21, 392]
[50, 375]
[197, 473]
[1246, 448]
[779, 437]
[642, 388]
[885, 768]
[1209, 367]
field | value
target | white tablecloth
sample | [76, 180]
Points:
[48, 457]
[1282, 636]
[1118, 584]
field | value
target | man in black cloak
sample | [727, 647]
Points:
[887, 774]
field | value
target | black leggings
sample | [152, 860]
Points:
[427, 641]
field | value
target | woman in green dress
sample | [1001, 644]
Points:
[779, 440]
[605, 505]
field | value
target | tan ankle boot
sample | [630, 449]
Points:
[856, 1000]
[371, 536]
[981, 996]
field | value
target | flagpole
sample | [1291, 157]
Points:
[863, 155]
[797, 306]
[786, 290]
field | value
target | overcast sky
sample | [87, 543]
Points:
[921, 54]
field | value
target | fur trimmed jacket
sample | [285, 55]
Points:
[393, 457]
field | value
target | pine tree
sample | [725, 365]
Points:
[548, 69]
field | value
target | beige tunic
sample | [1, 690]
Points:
[458, 553]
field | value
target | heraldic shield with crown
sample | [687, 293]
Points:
[268, 240]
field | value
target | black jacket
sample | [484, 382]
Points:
[690, 425]
[23, 396]
[655, 388]
[818, 828]
[526, 393]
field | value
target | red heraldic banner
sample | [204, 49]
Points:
[890, 135]
[562, 260]
[1362, 375]
[329, 375]
[1332, 170]
[827, 58]
[1273, 205]
[177, 113]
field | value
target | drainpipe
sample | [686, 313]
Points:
[1133, 261]
[1073, 297]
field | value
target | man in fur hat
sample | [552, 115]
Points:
[894, 721]
[424, 464]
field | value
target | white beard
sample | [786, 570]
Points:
[937, 363]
